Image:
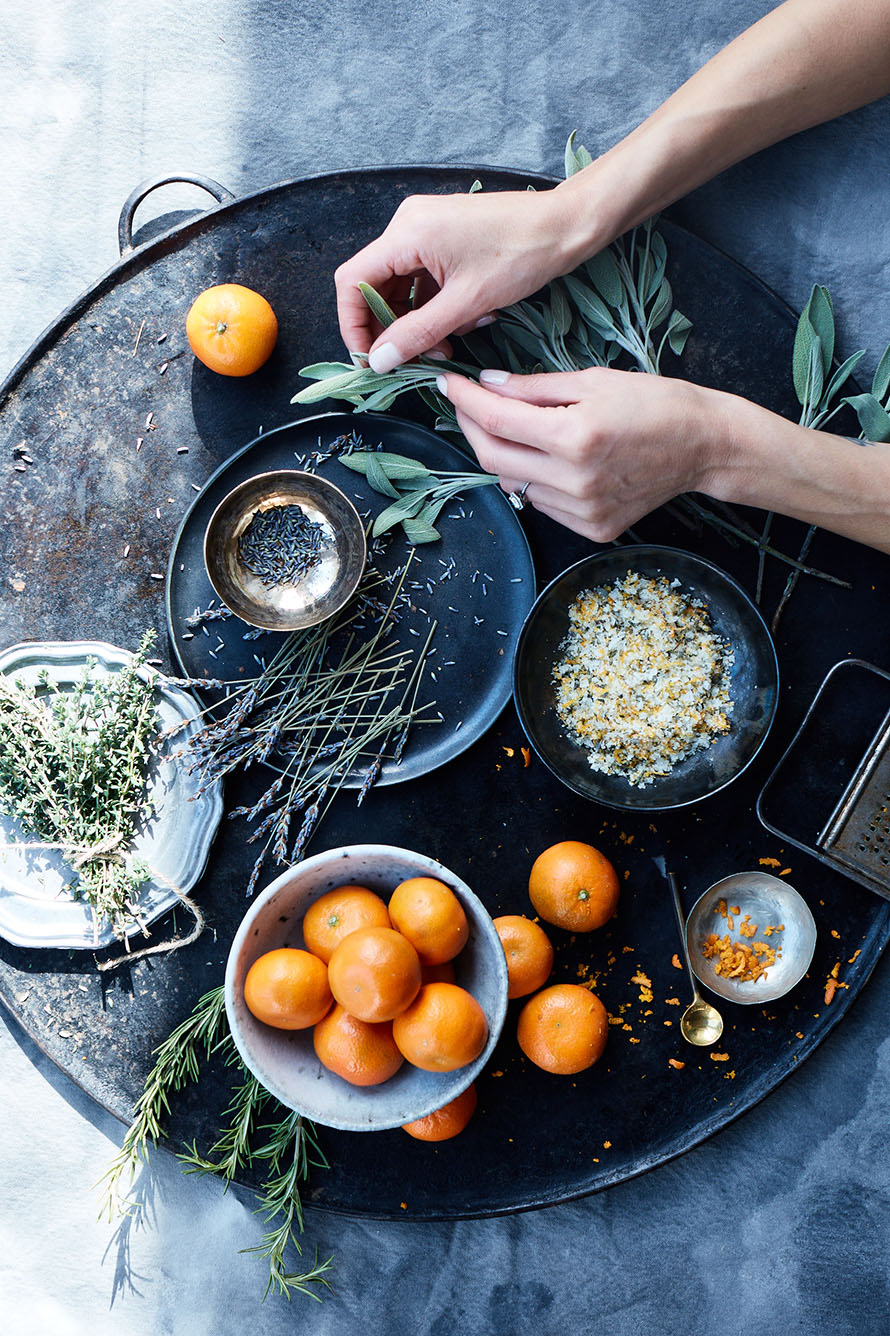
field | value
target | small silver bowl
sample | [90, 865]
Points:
[326, 585]
[767, 901]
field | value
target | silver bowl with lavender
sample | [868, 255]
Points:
[285, 550]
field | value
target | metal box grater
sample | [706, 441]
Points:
[858, 832]
[855, 836]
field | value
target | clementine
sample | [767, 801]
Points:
[361, 1052]
[529, 954]
[574, 886]
[443, 1029]
[430, 915]
[374, 973]
[446, 1122]
[563, 1028]
[339, 912]
[288, 988]
[231, 329]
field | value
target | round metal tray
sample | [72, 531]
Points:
[125, 428]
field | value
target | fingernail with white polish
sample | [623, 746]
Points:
[494, 377]
[385, 358]
[436, 355]
[486, 320]
[442, 384]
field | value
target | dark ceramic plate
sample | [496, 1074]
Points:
[477, 583]
[754, 679]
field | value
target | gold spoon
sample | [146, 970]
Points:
[700, 1024]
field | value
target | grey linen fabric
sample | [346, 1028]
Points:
[779, 1224]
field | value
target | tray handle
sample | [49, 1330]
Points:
[135, 198]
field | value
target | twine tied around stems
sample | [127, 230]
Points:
[108, 849]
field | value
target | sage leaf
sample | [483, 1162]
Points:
[559, 306]
[404, 508]
[572, 165]
[377, 478]
[678, 330]
[591, 308]
[395, 467]
[881, 383]
[841, 376]
[384, 397]
[417, 532]
[821, 317]
[334, 387]
[380, 309]
[815, 377]
[661, 305]
[323, 370]
[605, 277]
[873, 417]
[801, 357]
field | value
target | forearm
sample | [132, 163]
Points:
[805, 62]
[760, 459]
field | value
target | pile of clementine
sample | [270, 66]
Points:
[563, 1028]
[376, 984]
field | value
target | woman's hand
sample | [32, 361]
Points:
[598, 448]
[601, 448]
[464, 255]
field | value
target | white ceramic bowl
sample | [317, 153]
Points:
[284, 1061]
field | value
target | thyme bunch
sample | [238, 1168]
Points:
[288, 1144]
[73, 771]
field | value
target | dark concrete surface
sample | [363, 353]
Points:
[780, 1223]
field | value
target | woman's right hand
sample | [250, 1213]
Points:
[465, 255]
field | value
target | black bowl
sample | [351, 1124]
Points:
[754, 679]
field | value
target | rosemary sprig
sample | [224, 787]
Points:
[177, 1063]
[289, 1146]
[73, 771]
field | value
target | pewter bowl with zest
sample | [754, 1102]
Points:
[752, 910]
[285, 550]
[752, 678]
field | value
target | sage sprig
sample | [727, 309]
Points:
[288, 1143]
[419, 493]
[818, 389]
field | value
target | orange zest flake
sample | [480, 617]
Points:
[719, 1057]
[739, 960]
[854, 956]
[509, 750]
[769, 862]
[676, 1064]
[526, 757]
[672, 1001]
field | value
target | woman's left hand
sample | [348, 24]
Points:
[598, 448]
